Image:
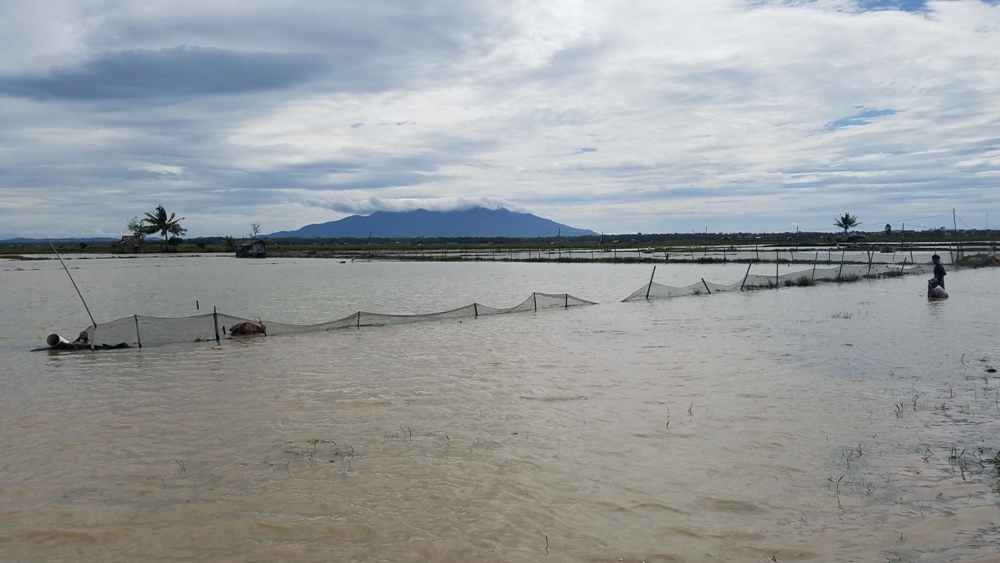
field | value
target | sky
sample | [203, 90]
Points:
[619, 116]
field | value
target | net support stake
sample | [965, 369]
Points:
[777, 267]
[534, 300]
[475, 309]
[215, 319]
[746, 275]
[137, 337]
[81, 294]
[359, 319]
[706, 286]
[566, 300]
[816, 259]
[650, 286]
[841, 270]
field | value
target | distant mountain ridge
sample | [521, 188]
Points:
[476, 222]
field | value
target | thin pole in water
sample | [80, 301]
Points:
[215, 320]
[74, 284]
[650, 286]
[137, 337]
[746, 275]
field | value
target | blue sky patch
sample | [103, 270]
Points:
[864, 117]
[901, 5]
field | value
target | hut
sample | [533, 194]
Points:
[128, 245]
[253, 248]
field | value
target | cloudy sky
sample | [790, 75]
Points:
[619, 116]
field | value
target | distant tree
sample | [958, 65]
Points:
[175, 242]
[137, 228]
[847, 222]
[888, 229]
[254, 229]
[158, 222]
[229, 243]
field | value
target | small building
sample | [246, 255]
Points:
[253, 248]
[129, 245]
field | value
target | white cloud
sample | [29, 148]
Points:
[617, 116]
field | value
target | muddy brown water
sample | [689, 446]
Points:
[851, 422]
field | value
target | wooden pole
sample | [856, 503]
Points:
[74, 285]
[706, 286]
[746, 275]
[215, 319]
[137, 337]
[650, 286]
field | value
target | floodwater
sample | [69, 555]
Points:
[851, 422]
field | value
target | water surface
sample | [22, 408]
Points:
[827, 423]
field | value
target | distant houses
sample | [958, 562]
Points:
[129, 245]
[253, 248]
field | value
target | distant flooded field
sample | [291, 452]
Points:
[839, 422]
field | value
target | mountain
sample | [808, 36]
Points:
[476, 222]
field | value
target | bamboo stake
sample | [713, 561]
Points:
[746, 275]
[74, 284]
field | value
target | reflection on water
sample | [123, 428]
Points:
[836, 422]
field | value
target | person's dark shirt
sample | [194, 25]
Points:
[939, 273]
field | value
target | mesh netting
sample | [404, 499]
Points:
[138, 330]
[844, 272]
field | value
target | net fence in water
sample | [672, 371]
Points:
[139, 331]
[843, 272]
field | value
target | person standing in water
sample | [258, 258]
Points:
[939, 272]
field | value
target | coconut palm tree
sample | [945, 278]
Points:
[158, 222]
[847, 222]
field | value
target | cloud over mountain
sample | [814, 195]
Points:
[623, 116]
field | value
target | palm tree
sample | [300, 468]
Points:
[158, 222]
[847, 222]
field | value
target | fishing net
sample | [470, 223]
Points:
[844, 272]
[139, 330]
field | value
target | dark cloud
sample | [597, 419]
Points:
[179, 72]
